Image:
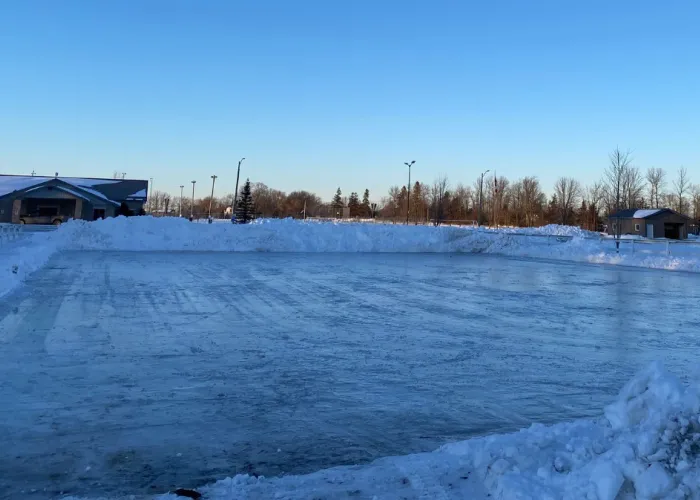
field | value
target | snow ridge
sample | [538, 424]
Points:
[17, 260]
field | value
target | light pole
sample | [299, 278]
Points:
[408, 189]
[150, 200]
[192, 206]
[181, 188]
[211, 198]
[481, 194]
[235, 193]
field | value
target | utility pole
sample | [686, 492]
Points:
[150, 200]
[192, 206]
[481, 195]
[211, 198]
[235, 193]
[181, 188]
[408, 189]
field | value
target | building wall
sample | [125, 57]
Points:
[6, 209]
[668, 217]
[627, 226]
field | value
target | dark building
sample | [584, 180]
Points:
[649, 223]
[52, 200]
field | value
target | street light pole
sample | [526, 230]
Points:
[192, 206]
[150, 200]
[408, 189]
[481, 194]
[211, 198]
[181, 188]
[235, 193]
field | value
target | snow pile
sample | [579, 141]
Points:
[174, 234]
[21, 257]
[647, 446]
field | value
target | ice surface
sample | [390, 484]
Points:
[602, 462]
[179, 368]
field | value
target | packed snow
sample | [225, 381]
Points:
[178, 234]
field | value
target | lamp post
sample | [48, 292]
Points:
[181, 188]
[150, 200]
[235, 193]
[481, 194]
[192, 206]
[211, 198]
[408, 189]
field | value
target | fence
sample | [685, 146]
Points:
[9, 232]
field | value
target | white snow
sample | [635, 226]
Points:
[61, 188]
[9, 184]
[138, 194]
[178, 234]
[641, 214]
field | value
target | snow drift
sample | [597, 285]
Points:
[173, 234]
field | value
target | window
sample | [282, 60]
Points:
[636, 227]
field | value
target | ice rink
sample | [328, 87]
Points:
[133, 373]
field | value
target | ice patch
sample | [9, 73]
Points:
[646, 447]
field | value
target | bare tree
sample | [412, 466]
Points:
[614, 178]
[568, 193]
[533, 199]
[695, 193]
[656, 180]
[438, 195]
[633, 188]
[682, 185]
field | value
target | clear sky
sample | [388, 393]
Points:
[320, 94]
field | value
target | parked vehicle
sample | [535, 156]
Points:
[44, 215]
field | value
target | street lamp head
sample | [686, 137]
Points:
[193, 182]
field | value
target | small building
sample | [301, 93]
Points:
[56, 199]
[649, 223]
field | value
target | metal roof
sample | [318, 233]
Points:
[112, 190]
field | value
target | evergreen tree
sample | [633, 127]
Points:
[354, 205]
[366, 211]
[338, 200]
[245, 208]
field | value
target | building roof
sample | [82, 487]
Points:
[110, 190]
[636, 213]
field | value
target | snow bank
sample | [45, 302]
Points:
[173, 234]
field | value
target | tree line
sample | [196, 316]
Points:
[494, 200]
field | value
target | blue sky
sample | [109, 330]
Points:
[320, 94]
